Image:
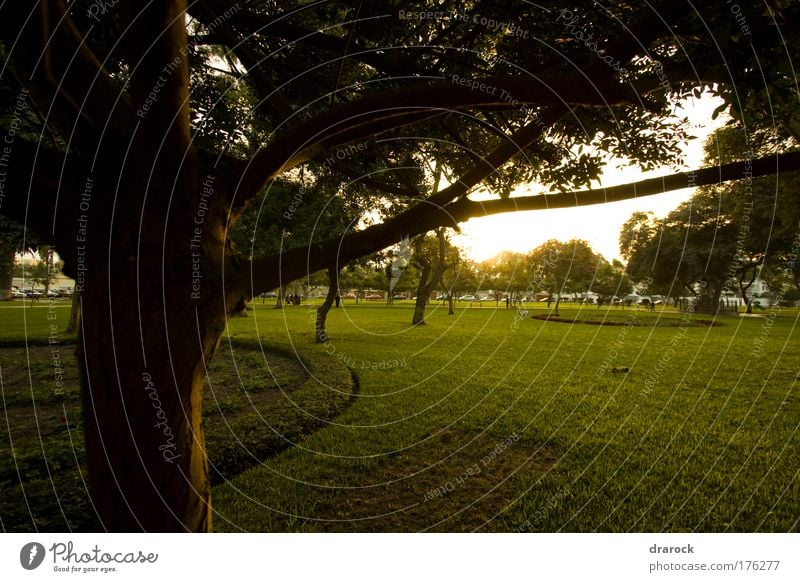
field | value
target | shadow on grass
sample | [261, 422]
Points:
[258, 401]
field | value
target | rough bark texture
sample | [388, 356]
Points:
[149, 325]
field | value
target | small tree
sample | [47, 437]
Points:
[430, 254]
[610, 281]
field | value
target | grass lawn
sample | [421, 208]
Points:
[485, 420]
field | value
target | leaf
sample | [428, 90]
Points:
[719, 110]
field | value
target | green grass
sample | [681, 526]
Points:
[259, 400]
[23, 321]
[492, 422]
[707, 440]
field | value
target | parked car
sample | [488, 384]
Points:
[467, 298]
[269, 295]
[17, 294]
[399, 297]
[32, 293]
[52, 293]
[348, 296]
[374, 296]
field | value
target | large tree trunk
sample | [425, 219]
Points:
[322, 311]
[150, 326]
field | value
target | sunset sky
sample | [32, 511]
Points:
[600, 224]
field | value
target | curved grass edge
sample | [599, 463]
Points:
[251, 439]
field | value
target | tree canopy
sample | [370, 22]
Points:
[724, 235]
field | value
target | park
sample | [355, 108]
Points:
[491, 425]
[244, 290]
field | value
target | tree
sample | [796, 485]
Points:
[507, 274]
[430, 259]
[14, 239]
[458, 275]
[722, 235]
[610, 280]
[46, 271]
[145, 202]
[563, 267]
[321, 336]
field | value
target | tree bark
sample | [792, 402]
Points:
[744, 287]
[75, 312]
[422, 298]
[320, 334]
[6, 267]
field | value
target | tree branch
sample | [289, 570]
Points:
[67, 82]
[787, 162]
[269, 272]
[402, 106]
[253, 23]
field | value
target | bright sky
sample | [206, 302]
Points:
[599, 224]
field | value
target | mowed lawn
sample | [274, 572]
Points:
[489, 421]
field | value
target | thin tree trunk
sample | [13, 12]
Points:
[281, 296]
[75, 312]
[450, 305]
[6, 267]
[429, 279]
[320, 334]
[743, 288]
[422, 297]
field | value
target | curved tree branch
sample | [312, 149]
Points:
[270, 271]
[405, 105]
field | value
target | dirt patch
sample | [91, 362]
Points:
[453, 481]
[649, 321]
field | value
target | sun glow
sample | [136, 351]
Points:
[599, 224]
